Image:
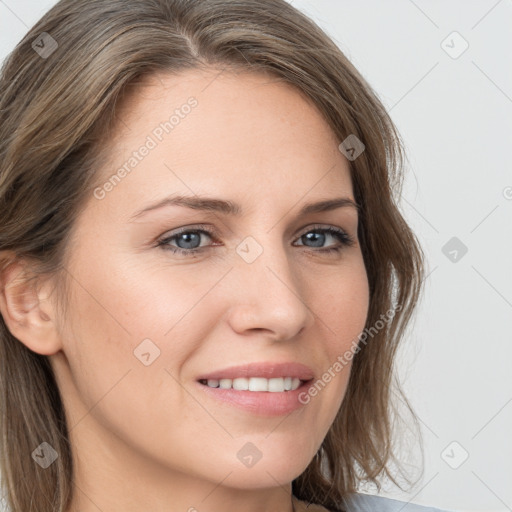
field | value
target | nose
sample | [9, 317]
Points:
[270, 295]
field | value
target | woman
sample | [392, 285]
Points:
[204, 274]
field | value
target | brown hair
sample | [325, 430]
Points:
[55, 111]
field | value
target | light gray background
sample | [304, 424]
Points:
[455, 116]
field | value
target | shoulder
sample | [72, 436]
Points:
[369, 503]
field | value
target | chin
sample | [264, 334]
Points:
[274, 467]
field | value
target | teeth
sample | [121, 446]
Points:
[256, 384]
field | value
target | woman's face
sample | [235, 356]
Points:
[260, 285]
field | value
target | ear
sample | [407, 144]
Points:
[27, 310]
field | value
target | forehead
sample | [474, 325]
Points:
[205, 130]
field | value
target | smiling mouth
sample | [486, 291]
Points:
[256, 384]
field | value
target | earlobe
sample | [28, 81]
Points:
[27, 311]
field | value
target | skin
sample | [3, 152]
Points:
[146, 437]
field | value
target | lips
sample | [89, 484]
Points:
[265, 369]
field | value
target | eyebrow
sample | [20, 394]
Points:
[211, 204]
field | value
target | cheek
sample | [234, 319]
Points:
[128, 324]
[341, 306]
[342, 303]
[113, 329]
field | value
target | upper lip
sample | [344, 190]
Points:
[264, 369]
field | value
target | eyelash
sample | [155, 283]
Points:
[345, 239]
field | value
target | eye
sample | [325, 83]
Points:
[187, 241]
[318, 236]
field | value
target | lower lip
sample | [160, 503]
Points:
[263, 403]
